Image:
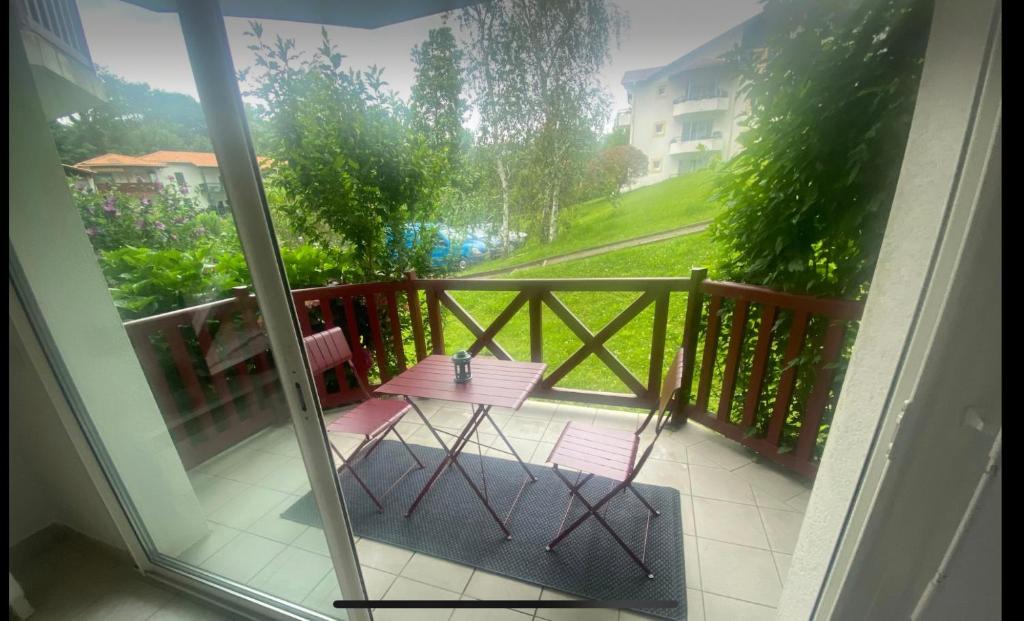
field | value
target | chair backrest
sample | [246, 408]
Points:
[660, 415]
[328, 349]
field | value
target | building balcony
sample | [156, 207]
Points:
[679, 146]
[719, 103]
[57, 51]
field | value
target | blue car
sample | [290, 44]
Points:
[472, 250]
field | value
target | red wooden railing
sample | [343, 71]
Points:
[205, 362]
[752, 416]
[210, 370]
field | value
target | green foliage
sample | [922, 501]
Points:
[166, 219]
[346, 158]
[135, 120]
[614, 168]
[832, 94]
[533, 68]
[671, 204]
[437, 103]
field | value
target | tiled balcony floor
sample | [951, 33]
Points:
[740, 521]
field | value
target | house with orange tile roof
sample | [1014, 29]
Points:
[193, 172]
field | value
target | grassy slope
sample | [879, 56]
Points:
[668, 205]
[631, 344]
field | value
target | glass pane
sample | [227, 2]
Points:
[133, 261]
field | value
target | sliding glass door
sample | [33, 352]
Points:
[156, 288]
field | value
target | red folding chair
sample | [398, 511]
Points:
[611, 453]
[373, 418]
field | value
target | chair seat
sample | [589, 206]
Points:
[604, 452]
[370, 417]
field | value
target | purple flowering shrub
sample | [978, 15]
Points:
[167, 219]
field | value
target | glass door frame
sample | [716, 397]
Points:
[206, 40]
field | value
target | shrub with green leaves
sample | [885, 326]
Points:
[832, 94]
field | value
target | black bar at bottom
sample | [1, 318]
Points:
[504, 603]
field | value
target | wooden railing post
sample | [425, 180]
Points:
[691, 328]
[434, 318]
[415, 315]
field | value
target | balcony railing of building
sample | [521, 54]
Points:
[212, 373]
[701, 95]
[58, 22]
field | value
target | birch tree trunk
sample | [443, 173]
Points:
[503, 177]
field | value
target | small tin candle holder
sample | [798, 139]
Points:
[463, 373]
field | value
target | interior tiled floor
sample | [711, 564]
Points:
[78, 579]
[740, 518]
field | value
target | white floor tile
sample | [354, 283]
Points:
[382, 556]
[490, 586]
[203, 549]
[739, 572]
[243, 557]
[244, 509]
[686, 507]
[293, 574]
[783, 529]
[273, 526]
[377, 582]
[573, 614]
[721, 452]
[214, 492]
[782, 562]
[489, 614]
[719, 484]
[312, 540]
[799, 502]
[691, 562]
[322, 597]
[438, 572]
[259, 466]
[286, 477]
[525, 428]
[718, 608]
[404, 588]
[729, 521]
[771, 479]
[668, 473]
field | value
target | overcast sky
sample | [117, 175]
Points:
[144, 46]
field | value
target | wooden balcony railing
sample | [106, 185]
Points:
[207, 363]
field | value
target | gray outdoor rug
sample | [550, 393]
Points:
[452, 524]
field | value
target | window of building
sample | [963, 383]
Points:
[662, 89]
[180, 178]
[701, 88]
[697, 129]
[659, 128]
[656, 165]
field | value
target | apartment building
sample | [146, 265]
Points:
[688, 112]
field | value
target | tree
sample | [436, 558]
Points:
[436, 102]
[135, 120]
[533, 68]
[346, 160]
[614, 168]
[832, 94]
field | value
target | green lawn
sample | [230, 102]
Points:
[674, 257]
[652, 209]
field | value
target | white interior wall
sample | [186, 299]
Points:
[48, 479]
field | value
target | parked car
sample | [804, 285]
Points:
[471, 250]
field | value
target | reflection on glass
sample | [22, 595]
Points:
[160, 332]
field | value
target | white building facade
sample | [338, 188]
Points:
[195, 172]
[688, 112]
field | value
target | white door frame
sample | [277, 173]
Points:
[206, 40]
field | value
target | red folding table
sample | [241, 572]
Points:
[501, 383]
